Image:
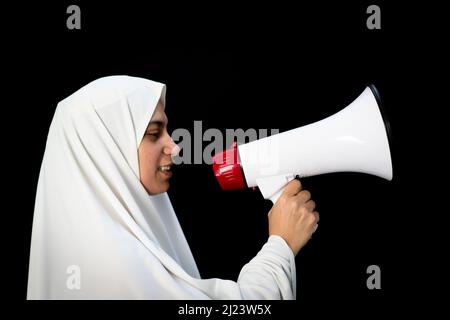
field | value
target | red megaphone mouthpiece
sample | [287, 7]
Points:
[228, 170]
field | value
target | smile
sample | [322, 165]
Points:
[165, 168]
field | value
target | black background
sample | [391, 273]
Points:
[263, 66]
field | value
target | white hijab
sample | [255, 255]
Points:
[97, 234]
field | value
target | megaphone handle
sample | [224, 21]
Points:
[272, 187]
[276, 196]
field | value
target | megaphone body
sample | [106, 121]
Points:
[353, 140]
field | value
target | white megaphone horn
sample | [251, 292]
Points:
[354, 139]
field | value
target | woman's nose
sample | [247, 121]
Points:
[172, 148]
[175, 150]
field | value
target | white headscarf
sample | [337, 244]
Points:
[97, 234]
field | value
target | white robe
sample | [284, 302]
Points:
[97, 234]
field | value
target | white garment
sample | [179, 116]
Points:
[97, 234]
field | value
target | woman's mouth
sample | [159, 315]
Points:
[166, 170]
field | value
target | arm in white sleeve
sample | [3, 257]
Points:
[271, 274]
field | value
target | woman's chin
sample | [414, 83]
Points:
[162, 187]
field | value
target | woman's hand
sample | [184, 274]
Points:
[293, 217]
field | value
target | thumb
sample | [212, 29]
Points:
[292, 188]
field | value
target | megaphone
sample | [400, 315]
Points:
[355, 139]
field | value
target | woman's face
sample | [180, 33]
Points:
[155, 153]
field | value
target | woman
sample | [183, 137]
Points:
[104, 227]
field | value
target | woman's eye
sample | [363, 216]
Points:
[153, 134]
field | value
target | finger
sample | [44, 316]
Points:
[310, 205]
[303, 196]
[292, 188]
[316, 215]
